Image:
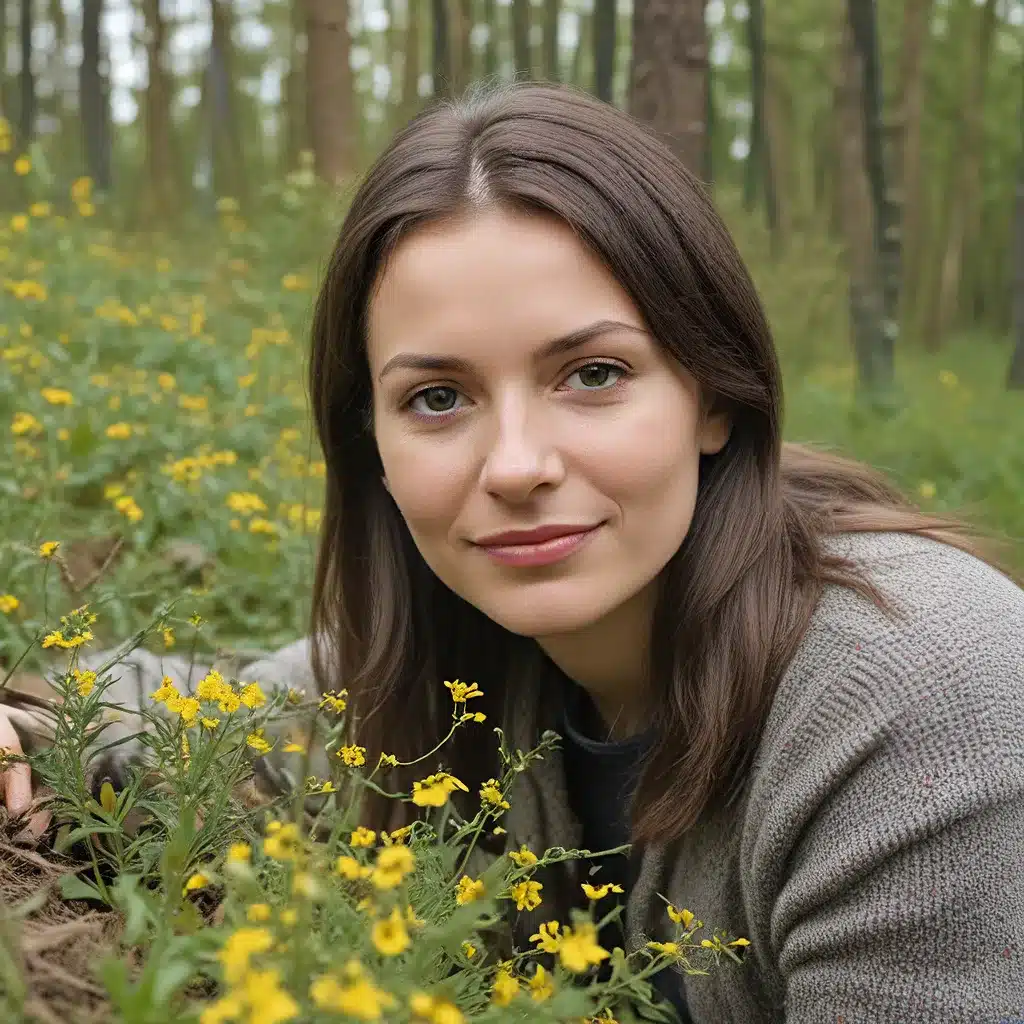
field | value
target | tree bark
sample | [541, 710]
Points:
[295, 92]
[549, 56]
[521, 39]
[759, 178]
[160, 176]
[1015, 378]
[442, 50]
[460, 21]
[604, 49]
[858, 213]
[411, 63]
[5, 90]
[584, 31]
[27, 89]
[330, 88]
[669, 75]
[94, 98]
[491, 48]
[907, 151]
[964, 196]
[225, 136]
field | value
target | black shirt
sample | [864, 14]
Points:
[600, 779]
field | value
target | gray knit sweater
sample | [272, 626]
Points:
[876, 860]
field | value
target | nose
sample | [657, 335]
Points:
[522, 454]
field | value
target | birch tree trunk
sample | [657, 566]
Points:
[669, 75]
[858, 215]
[329, 83]
[94, 98]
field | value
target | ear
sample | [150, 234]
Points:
[715, 429]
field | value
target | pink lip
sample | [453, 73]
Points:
[540, 552]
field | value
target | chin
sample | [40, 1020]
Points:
[538, 616]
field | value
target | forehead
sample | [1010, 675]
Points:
[494, 279]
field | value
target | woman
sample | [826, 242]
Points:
[550, 408]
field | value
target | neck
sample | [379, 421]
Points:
[609, 660]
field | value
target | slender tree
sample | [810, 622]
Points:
[27, 87]
[94, 98]
[460, 21]
[442, 65]
[859, 212]
[296, 96]
[161, 181]
[1015, 378]
[411, 66]
[491, 46]
[330, 87]
[669, 75]
[584, 33]
[5, 93]
[222, 105]
[604, 49]
[549, 55]
[758, 173]
[521, 52]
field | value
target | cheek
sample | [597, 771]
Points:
[424, 484]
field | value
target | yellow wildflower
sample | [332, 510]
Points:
[578, 948]
[282, 841]
[196, 881]
[239, 853]
[25, 423]
[683, 917]
[22, 166]
[119, 431]
[335, 701]
[468, 890]
[469, 949]
[84, 681]
[252, 696]
[356, 996]
[668, 948]
[527, 895]
[490, 794]
[209, 723]
[57, 396]
[350, 868]
[188, 710]
[434, 790]
[390, 936]
[258, 912]
[353, 756]
[598, 892]
[392, 865]
[524, 857]
[473, 716]
[268, 1003]
[434, 1009]
[258, 741]
[48, 548]
[239, 949]
[541, 985]
[293, 748]
[506, 987]
[8, 603]
[461, 692]
[362, 837]
[547, 937]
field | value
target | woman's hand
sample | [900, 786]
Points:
[16, 782]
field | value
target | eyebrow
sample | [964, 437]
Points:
[558, 346]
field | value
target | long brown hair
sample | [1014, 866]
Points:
[737, 596]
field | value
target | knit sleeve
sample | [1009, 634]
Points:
[892, 848]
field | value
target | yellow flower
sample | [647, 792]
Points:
[434, 790]
[8, 603]
[524, 857]
[353, 756]
[227, 1008]
[392, 865]
[108, 798]
[398, 836]
[289, 916]
[19, 223]
[357, 997]
[527, 895]
[926, 489]
[294, 283]
[469, 949]
[468, 890]
[490, 793]
[258, 741]
[390, 936]
[541, 985]
[547, 937]
[506, 987]
[258, 912]
[335, 701]
[350, 868]
[598, 892]
[282, 841]
[239, 853]
[209, 723]
[25, 423]
[81, 189]
[84, 681]
[293, 748]
[48, 548]
[188, 710]
[683, 917]
[40, 209]
[22, 166]
[168, 634]
[196, 881]
[119, 431]
[362, 837]
[57, 396]
[948, 378]
[434, 1009]
[239, 949]
[668, 948]
[473, 716]
[578, 948]
[461, 692]
[166, 381]
[252, 696]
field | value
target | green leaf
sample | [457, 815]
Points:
[72, 887]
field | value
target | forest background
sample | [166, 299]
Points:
[173, 173]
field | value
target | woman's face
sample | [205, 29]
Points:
[497, 408]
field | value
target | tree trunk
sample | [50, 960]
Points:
[604, 50]
[460, 21]
[329, 84]
[295, 92]
[411, 63]
[491, 48]
[669, 75]
[521, 39]
[27, 111]
[549, 57]
[6, 110]
[863, 19]
[759, 179]
[907, 151]
[226, 141]
[160, 178]
[964, 197]
[858, 212]
[94, 98]
[442, 50]
[584, 32]
[1015, 379]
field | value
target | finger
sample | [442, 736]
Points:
[17, 779]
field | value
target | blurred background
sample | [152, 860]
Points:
[173, 172]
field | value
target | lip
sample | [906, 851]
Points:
[538, 535]
[554, 548]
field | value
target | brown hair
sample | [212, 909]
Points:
[737, 596]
